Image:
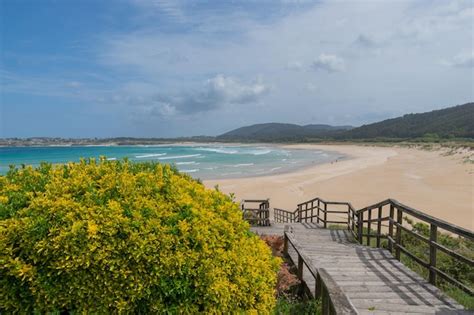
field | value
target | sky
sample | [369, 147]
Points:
[163, 68]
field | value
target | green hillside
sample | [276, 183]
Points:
[457, 122]
[281, 132]
[452, 122]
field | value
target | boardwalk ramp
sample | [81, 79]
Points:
[354, 278]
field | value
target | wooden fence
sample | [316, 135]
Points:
[384, 220]
[256, 211]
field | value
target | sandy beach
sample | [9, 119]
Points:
[440, 185]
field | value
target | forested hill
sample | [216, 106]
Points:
[452, 122]
[281, 132]
[457, 121]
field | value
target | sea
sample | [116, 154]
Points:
[200, 161]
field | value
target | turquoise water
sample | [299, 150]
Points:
[200, 161]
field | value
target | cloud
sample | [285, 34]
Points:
[169, 8]
[233, 91]
[365, 41]
[215, 93]
[294, 65]
[160, 109]
[220, 91]
[310, 86]
[464, 60]
[162, 63]
[329, 63]
[73, 84]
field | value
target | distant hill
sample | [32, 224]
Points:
[456, 121]
[281, 132]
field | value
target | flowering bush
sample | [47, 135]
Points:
[115, 236]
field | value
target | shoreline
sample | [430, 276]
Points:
[425, 180]
[279, 170]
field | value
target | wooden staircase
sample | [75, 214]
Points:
[352, 278]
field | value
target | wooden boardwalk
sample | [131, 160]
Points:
[372, 279]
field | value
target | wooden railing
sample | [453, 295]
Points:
[322, 212]
[384, 220]
[333, 299]
[257, 213]
[393, 214]
[280, 215]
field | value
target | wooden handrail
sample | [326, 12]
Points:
[256, 216]
[316, 211]
[395, 242]
[333, 298]
[281, 215]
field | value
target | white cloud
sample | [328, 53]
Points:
[392, 57]
[145, 101]
[365, 41]
[294, 65]
[73, 84]
[231, 90]
[310, 86]
[330, 63]
[164, 109]
[219, 92]
[464, 60]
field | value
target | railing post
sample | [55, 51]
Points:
[318, 287]
[379, 226]
[300, 210]
[369, 226]
[390, 229]
[348, 218]
[353, 218]
[324, 300]
[398, 240]
[306, 212]
[318, 211]
[433, 239]
[325, 214]
[360, 227]
[285, 241]
[299, 272]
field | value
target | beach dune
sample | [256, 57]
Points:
[439, 185]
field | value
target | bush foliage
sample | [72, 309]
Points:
[115, 236]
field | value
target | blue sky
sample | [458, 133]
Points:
[176, 68]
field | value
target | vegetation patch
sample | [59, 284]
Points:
[289, 290]
[119, 237]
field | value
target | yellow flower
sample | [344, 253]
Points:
[92, 228]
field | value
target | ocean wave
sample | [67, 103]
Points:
[186, 163]
[259, 152]
[243, 164]
[190, 171]
[231, 173]
[219, 150]
[275, 168]
[111, 159]
[179, 157]
[151, 155]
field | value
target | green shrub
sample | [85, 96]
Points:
[115, 236]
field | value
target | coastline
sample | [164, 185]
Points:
[442, 186]
[436, 182]
[304, 157]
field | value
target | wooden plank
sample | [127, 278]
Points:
[411, 309]
[366, 275]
